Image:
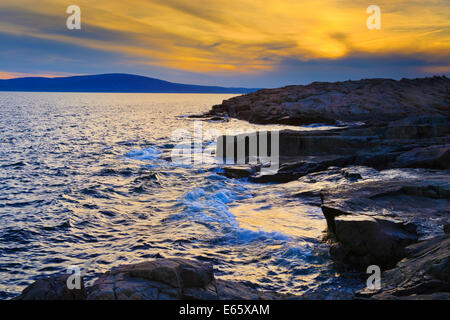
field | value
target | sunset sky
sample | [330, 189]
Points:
[253, 43]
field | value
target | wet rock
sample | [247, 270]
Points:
[413, 143]
[158, 279]
[53, 288]
[292, 171]
[423, 274]
[239, 171]
[168, 279]
[360, 213]
[408, 195]
[206, 117]
[437, 157]
[447, 228]
[351, 174]
[217, 118]
[197, 116]
[229, 290]
[365, 241]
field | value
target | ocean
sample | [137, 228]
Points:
[87, 180]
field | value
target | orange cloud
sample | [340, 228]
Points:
[246, 36]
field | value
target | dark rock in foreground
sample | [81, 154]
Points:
[370, 100]
[373, 220]
[447, 228]
[168, 279]
[160, 279]
[364, 240]
[420, 197]
[424, 273]
[54, 288]
[239, 171]
[373, 215]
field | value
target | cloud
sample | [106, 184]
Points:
[12, 75]
[227, 38]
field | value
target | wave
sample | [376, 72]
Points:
[149, 153]
[209, 206]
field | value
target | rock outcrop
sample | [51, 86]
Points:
[447, 228]
[416, 196]
[374, 218]
[363, 240]
[53, 288]
[414, 142]
[169, 279]
[373, 215]
[159, 279]
[381, 177]
[371, 100]
[424, 274]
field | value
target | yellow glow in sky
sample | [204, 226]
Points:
[246, 36]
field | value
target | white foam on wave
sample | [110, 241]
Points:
[242, 236]
[209, 205]
[298, 251]
[144, 154]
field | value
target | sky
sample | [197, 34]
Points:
[249, 43]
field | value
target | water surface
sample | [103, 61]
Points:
[85, 180]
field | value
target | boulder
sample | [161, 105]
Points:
[416, 196]
[365, 240]
[169, 279]
[238, 171]
[447, 228]
[53, 288]
[424, 273]
[157, 279]
[372, 215]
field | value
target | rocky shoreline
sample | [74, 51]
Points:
[370, 100]
[159, 279]
[383, 175]
[383, 183]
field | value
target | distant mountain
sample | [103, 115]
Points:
[114, 82]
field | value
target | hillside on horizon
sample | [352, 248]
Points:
[110, 83]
